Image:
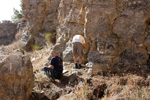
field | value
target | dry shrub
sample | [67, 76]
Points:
[82, 90]
[40, 80]
[140, 94]
[18, 35]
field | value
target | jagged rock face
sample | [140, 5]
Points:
[116, 31]
[16, 77]
[41, 16]
[7, 32]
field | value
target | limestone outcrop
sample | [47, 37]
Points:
[16, 77]
[116, 31]
[41, 16]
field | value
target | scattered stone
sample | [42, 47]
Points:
[72, 78]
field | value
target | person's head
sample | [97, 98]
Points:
[53, 53]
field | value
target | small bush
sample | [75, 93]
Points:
[35, 47]
[50, 38]
[18, 35]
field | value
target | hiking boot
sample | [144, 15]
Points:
[76, 66]
[80, 66]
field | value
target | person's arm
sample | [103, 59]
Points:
[45, 64]
[84, 45]
[51, 66]
[53, 61]
[83, 41]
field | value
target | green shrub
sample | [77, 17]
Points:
[35, 47]
[17, 14]
[50, 38]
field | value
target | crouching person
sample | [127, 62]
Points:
[55, 69]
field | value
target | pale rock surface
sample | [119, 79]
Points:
[116, 31]
[16, 77]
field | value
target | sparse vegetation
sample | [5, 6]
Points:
[17, 14]
[50, 38]
[40, 80]
[35, 47]
[82, 90]
[18, 35]
[140, 94]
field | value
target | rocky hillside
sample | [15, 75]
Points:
[116, 31]
[22, 79]
[116, 58]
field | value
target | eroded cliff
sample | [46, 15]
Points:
[116, 31]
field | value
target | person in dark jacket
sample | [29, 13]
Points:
[55, 69]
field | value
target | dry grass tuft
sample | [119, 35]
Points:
[18, 35]
[140, 94]
[82, 90]
[35, 47]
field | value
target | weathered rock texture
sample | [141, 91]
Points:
[42, 18]
[7, 32]
[116, 31]
[16, 77]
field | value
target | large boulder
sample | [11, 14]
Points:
[16, 77]
[8, 31]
